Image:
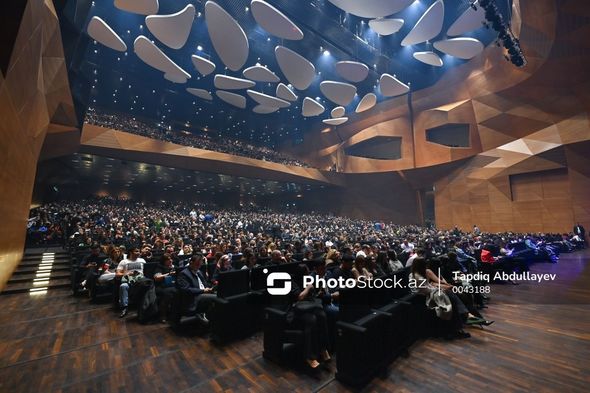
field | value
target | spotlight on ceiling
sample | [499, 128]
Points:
[326, 53]
[510, 42]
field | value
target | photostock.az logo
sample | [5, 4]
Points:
[283, 281]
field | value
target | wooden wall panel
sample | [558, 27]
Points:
[33, 89]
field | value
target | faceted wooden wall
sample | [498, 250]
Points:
[537, 125]
[34, 92]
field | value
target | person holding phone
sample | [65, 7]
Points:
[197, 294]
[165, 281]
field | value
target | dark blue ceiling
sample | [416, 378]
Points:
[121, 82]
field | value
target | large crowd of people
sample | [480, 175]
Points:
[127, 123]
[123, 234]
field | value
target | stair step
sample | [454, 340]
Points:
[31, 276]
[38, 257]
[36, 264]
[28, 269]
[25, 287]
[40, 254]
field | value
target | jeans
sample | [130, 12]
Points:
[124, 295]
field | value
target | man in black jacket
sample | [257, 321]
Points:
[197, 294]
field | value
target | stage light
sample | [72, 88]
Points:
[326, 53]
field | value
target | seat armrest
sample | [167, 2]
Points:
[350, 327]
[273, 313]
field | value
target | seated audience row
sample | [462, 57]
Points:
[127, 123]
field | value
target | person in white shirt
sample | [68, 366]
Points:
[131, 267]
[407, 246]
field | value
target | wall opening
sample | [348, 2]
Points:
[378, 148]
[450, 135]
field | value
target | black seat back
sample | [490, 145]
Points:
[354, 303]
[233, 283]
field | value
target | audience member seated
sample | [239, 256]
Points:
[130, 271]
[197, 294]
[307, 310]
[165, 281]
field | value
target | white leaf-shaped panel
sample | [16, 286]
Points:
[153, 56]
[100, 31]
[142, 7]
[201, 93]
[285, 93]
[470, 20]
[204, 66]
[371, 8]
[225, 82]
[264, 110]
[367, 102]
[274, 21]
[463, 48]
[391, 86]
[232, 98]
[338, 92]
[429, 58]
[260, 74]
[311, 107]
[266, 100]
[428, 26]
[175, 78]
[174, 29]
[298, 70]
[352, 71]
[337, 112]
[386, 26]
[336, 121]
[228, 38]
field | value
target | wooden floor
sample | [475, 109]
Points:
[539, 343]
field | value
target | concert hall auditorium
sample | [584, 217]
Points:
[294, 196]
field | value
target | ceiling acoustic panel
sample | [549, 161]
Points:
[366, 103]
[228, 38]
[259, 73]
[429, 58]
[201, 93]
[371, 8]
[428, 26]
[386, 26]
[284, 92]
[204, 66]
[150, 54]
[175, 78]
[338, 92]
[337, 112]
[268, 101]
[463, 48]
[390, 86]
[335, 121]
[172, 30]
[101, 32]
[232, 98]
[142, 7]
[311, 108]
[264, 110]
[468, 21]
[225, 82]
[274, 21]
[352, 71]
[297, 69]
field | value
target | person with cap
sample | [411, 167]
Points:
[360, 268]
